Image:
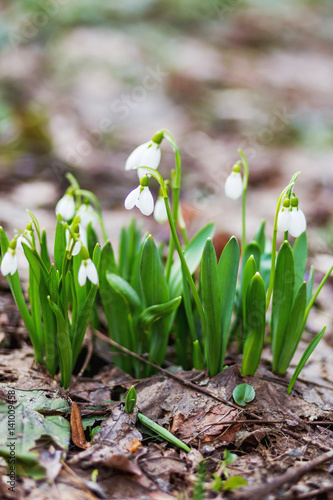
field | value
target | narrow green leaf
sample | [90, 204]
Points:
[64, 346]
[192, 254]
[59, 243]
[300, 252]
[154, 313]
[254, 325]
[283, 293]
[250, 270]
[309, 287]
[233, 482]
[260, 237]
[254, 249]
[293, 332]
[125, 290]
[211, 296]
[161, 431]
[44, 251]
[228, 271]
[243, 394]
[16, 289]
[188, 308]
[307, 353]
[155, 291]
[50, 330]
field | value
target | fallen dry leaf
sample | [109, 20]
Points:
[77, 432]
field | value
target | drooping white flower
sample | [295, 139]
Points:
[87, 215]
[26, 238]
[9, 262]
[66, 206]
[297, 222]
[87, 270]
[233, 187]
[73, 249]
[142, 198]
[146, 155]
[284, 217]
[160, 213]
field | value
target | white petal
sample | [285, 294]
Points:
[77, 248]
[87, 215]
[233, 187]
[66, 207]
[132, 198]
[160, 213]
[9, 263]
[297, 223]
[134, 159]
[146, 201]
[151, 156]
[91, 272]
[82, 276]
[284, 218]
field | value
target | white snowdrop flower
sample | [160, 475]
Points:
[160, 213]
[284, 218]
[142, 198]
[233, 187]
[87, 270]
[87, 215]
[146, 155]
[66, 207]
[9, 262]
[297, 222]
[25, 238]
[76, 249]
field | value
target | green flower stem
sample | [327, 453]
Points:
[175, 186]
[73, 182]
[272, 275]
[184, 264]
[315, 295]
[94, 199]
[245, 183]
[182, 225]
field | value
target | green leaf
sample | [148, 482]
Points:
[250, 270]
[155, 291]
[228, 271]
[307, 353]
[59, 243]
[254, 249]
[125, 290]
[294, 331]
[44, 251]
[154, 313]
[130, 400]
[16, 289]
[233, 482]
[300, 252]
[161, 431]
[254, 325]
[228, 457]
[243, 394]
[64, 346]
[211, 296]
[283, 293]
[309, 287]
[260, 237]
[192, 254]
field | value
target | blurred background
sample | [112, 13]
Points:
[84, 82]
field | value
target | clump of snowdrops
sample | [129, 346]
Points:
[150, 295]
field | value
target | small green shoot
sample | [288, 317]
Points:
[164, 433]
[130, 400]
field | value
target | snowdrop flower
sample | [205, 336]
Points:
[66, 206]
[76, 248]
[146, 155]
[297, 222]
[26, 237]
[87, 269]
[87, 215]
[9, 260]
[141, 197]
[233, 187]
[160, 213]
[291, 219]
[284, 216]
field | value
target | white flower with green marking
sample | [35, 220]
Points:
[146, 155]
[66, 206]
[87, 271]
[9, 261]
[233, 187]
